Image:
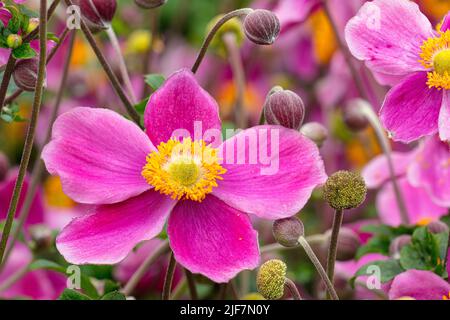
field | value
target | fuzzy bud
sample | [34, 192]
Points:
[4, 166]
[284, 108]
[271, 279]
[25, 74]
[262, 27]
[437, 227]
[348, 244]
[345, 190]
[14, 41]
[98, 12]
[33, 23]
[150, 4]
[287, 231]
[315, 132]
[354, 118]
[397, 244]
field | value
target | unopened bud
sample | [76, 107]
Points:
[42, 237]
[33, 23]
[315, 132]
[354, 117]
[150, 4]
[287, 231]
[4, 166]
[271, 279]
[348, 244]
[98, 12]
[437, 227]
[284, 108]
[262, 26]
[397, 244]
[345, 190]
[25, 74]
[14, 41]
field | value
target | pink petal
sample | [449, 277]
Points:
[418, 204]
[420, 285]
[431, 170]
[444, 117]
[99, 156]
[377, 171]
[274, 186]
[446, 23]
[293, 12]
[411, 109]
[213, 239]
[110, 232]
[387, 34]
[180, 104]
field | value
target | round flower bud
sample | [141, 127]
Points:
[284, 108]
[33, 23]
[315, 132]
[345, 190]
[14, 41]
[287, 231]
[354, 118]
[42, 237]
[348, 244]
[262, 27]
[271, 278]
[98, 12]
[4, 166]
[397, 244]
[25, 74]
[437, 227]
[150, 4]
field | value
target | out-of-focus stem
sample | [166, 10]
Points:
[191, 284]
[315, 261]
[316, 238]
[212, 33]
[143, 268]
[29, 140]
[149, 54]
[169, 277]
[332, 250]
[9, 69]
[386, 147]
[13, 279]
[234, 56]
[292, 288]
[121, 62]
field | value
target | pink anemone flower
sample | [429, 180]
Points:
[419, 285]
[106, 160]
[423, 178]
[397, 42]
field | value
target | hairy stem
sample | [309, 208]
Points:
[169, 277]
[332, 250]
[292, 288]
[29, 140]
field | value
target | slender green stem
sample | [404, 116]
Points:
[191, 284]
[9, 69]
[169, 277]
[316, 238]
[179, 289]
[332, 249]
[315, 261]
[121, 62]
[367, 110]
[212, 33]
[143, 268]
[38, 168]
[109, 72]
[8, 283]
[29, 140]
[292, 288]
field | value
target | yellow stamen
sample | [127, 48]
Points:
[435, 57]
[54, 194]
[186, 170]
[424, 221]
[447, 297]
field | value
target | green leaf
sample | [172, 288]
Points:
[388, 270]
[24, 52]
[115, 295]
[155, 80]
[140, 107]
[111, 286]
[15, 22]
[69, 294]
[53, 37]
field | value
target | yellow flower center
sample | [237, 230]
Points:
[186, 170]
[435, 56]
[447, 297]
[425, 221]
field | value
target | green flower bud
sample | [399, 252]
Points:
[33, 23]
[345, 190]
[14, 41]
[271, 279]
[287, 231]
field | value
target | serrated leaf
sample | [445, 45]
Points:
[69, 294]
[155, 80]
[388, 270]
[24, 52]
